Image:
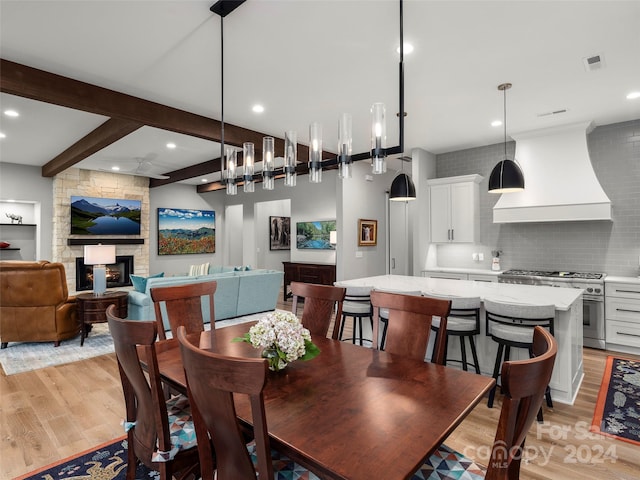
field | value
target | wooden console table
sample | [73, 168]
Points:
[322, 273]
[92, 309]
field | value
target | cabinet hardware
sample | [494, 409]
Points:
[628, 334]
[452, 234]
[627, 310]
[637, 292]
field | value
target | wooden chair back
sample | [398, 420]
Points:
[319, 305]
[524, 383]
[144, 400]
[212, 380]
[183, 305]
[409, 324]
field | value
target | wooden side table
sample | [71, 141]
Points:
[92, 309]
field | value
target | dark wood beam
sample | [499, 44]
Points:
[109, 132]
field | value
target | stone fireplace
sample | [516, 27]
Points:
[118, 274]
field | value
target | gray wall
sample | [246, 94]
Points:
[611, 247]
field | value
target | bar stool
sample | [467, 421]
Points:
[463, 322]
[384, 312]
[512, 325]
[357, 305]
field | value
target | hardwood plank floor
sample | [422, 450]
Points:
[55, 412]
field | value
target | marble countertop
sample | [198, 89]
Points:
[632, 280]
[562, 298]
[479, 271]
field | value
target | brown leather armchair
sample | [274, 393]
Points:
[34, 303]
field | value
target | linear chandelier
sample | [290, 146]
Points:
[231, 176]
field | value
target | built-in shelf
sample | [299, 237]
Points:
[105, 241]
[17, 224]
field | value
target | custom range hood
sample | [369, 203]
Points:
[560, 184]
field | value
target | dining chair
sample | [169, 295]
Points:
[524, 383]
[182, 305]
[160, 432]
[512, 325]
[357, 305]
[320, 303]
[409, 324]
[464, 323]
[212, 381]
[384, 312]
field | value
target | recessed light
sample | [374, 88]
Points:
[204, 180]
[257, 108]
[408, 48]
[11, 113]
[171, 145]
[2, 135]
[115, 169]
[496, 123]
[633, 95]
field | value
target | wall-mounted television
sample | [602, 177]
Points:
[105, 216]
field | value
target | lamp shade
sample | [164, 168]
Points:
[99, 254]
[333, 237]
[506, 177]
[402, 189]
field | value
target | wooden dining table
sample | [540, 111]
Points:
[352, 412]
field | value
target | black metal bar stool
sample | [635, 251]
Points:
[357, 305]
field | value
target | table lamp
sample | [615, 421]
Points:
[333, 237]
[99, 256]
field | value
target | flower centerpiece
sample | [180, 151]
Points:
[282, 338]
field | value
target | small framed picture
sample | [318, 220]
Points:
[367, 232]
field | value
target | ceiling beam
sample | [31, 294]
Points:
[109, 132]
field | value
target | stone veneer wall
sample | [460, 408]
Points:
[91, 183]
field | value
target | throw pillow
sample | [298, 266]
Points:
[195, 270]
[237, 269]
[140, 283]
[247, 268]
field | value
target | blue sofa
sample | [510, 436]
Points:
[238, 293]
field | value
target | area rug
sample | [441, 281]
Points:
[617, 412]
[26, 356]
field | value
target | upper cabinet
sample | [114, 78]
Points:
[454, 209]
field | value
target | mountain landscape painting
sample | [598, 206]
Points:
[186, 231]
[105, 216]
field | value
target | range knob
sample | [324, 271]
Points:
[598, 290]
[589, 289]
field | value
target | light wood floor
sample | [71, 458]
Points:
[52, 413]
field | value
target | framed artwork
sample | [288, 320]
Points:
[315, 235]
[279, 233]
[367, 232]
[183, 232]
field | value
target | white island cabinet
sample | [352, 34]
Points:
[622, 314]
[568, 370]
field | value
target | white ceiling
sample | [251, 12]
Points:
[312, 60]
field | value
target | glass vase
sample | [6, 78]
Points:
[276, 364]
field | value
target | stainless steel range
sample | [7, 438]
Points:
[592, 299]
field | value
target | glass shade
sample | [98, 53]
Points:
[268, 163]
[345, 145]
[230, 171]
[290, 158]
[315, 153]
[248, 158]
[378, 139]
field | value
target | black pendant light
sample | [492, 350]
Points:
[506, 176]
[402, 188]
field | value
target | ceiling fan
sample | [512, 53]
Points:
[143, 168]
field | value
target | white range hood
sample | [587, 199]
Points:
[560, 184]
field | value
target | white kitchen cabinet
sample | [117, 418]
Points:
[446, 275]
[483, 278]
[622, 316]
[454, 216]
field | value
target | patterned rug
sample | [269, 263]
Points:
[617, 412]
[109, 462]
[26, 356]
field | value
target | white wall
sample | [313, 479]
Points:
[265, 257]
[423, 167]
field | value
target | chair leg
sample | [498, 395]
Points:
[360, 328]
[384, 335]
[463, 351]
[344, 319]
[476, 363]
[4, 344]
[496, 372]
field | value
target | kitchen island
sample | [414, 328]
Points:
[568, 370]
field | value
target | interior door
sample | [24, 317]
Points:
[398, 238]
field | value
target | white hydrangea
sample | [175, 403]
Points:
[282, 330]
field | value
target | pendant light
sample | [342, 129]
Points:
[402, 188]
[506, 176]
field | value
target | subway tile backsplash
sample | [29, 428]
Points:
[598, 246]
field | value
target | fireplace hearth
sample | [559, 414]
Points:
[118, 274]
